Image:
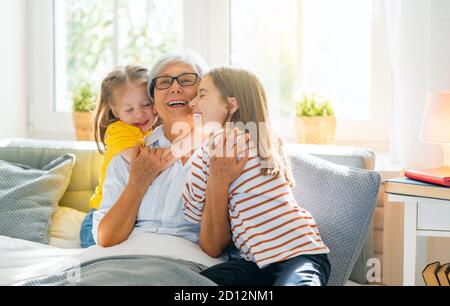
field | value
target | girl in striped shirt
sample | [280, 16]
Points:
[245, 195]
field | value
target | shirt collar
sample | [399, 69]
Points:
[157, 139]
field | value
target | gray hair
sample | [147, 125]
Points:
[185, 56]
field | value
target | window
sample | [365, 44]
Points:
[264, 39]
[337, 55]
[334, 48]
[321, 46]
[92, 37]
[76, 41]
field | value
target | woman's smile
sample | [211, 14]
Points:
[177, 103]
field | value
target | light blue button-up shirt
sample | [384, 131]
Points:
[161, 208]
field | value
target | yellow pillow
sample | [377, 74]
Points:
[65, 229]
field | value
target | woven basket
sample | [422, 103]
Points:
[315, 130]
[84, 126]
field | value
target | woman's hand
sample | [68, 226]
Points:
[228, 157]
[118, 223]
[146, 164]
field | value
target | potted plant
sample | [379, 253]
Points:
[83, 105]
[315, 120]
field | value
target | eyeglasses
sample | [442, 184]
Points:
[185, 80]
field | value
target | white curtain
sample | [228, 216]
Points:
[419, 45]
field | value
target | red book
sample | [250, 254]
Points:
[440, 176]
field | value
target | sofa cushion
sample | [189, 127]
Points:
[342, 201]
[65, 230]
[351, 157]
[28, 197]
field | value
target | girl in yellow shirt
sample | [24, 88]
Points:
[125, 115]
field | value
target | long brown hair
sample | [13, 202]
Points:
[111, 85]
[249, 92]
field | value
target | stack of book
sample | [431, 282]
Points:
[438, 176]
[409, 187]
[436, 274]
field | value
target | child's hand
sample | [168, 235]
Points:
[228, 157]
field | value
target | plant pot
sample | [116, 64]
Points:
[84, 126]
[315, 130]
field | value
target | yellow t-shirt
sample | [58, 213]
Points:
[118, 137]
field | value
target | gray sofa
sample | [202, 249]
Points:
[333, 183]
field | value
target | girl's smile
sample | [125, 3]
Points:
[135, 108]
[209, 104]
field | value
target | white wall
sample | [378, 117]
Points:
[13, 63]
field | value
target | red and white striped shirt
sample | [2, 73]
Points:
[267, 224]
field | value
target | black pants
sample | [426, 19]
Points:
[304, 270]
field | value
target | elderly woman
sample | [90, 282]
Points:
[145, 195]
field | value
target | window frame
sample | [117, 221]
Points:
[44, 121]
[207, 31]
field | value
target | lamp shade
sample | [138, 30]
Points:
[436, 119]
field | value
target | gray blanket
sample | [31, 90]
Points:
[129, 271]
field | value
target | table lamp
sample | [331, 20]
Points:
[436, 122]
[435, 129]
